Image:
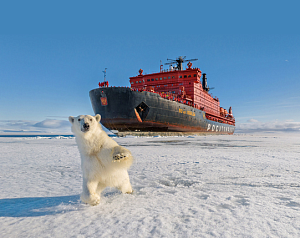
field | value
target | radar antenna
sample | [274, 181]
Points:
[179, 61]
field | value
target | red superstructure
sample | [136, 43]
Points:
[183, 86]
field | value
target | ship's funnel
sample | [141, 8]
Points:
[204, 82]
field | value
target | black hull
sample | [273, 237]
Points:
[123, 110]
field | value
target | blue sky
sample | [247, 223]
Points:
[52, 54]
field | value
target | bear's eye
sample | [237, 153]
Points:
[79, 119]
[90, 119]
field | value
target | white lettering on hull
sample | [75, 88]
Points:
[217, 128]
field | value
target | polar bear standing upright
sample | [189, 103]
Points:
[104, 163]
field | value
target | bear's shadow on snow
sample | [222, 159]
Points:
[38, 206]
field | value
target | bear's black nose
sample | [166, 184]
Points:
[86, 126]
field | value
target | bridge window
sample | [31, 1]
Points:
[180, 76]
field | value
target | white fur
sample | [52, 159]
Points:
[104, 163]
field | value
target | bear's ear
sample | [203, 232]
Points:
[71, 119]
[98, 118]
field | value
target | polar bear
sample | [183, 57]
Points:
[104, 163]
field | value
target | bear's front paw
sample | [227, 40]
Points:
[119, 153]
[119, 157]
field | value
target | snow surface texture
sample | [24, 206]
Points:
[210, 186]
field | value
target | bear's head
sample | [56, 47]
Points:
[84, 123]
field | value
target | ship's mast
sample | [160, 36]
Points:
[104, 74]
[104, 83]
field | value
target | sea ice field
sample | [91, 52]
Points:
[243, 185]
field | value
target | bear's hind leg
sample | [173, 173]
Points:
[125, 187]
[100, 188]
[89, 194]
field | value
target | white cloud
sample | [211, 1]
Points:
[252, 120]
[48, 123]
[47, 126]
[253, 125]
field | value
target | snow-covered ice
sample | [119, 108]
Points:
[196, 186]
